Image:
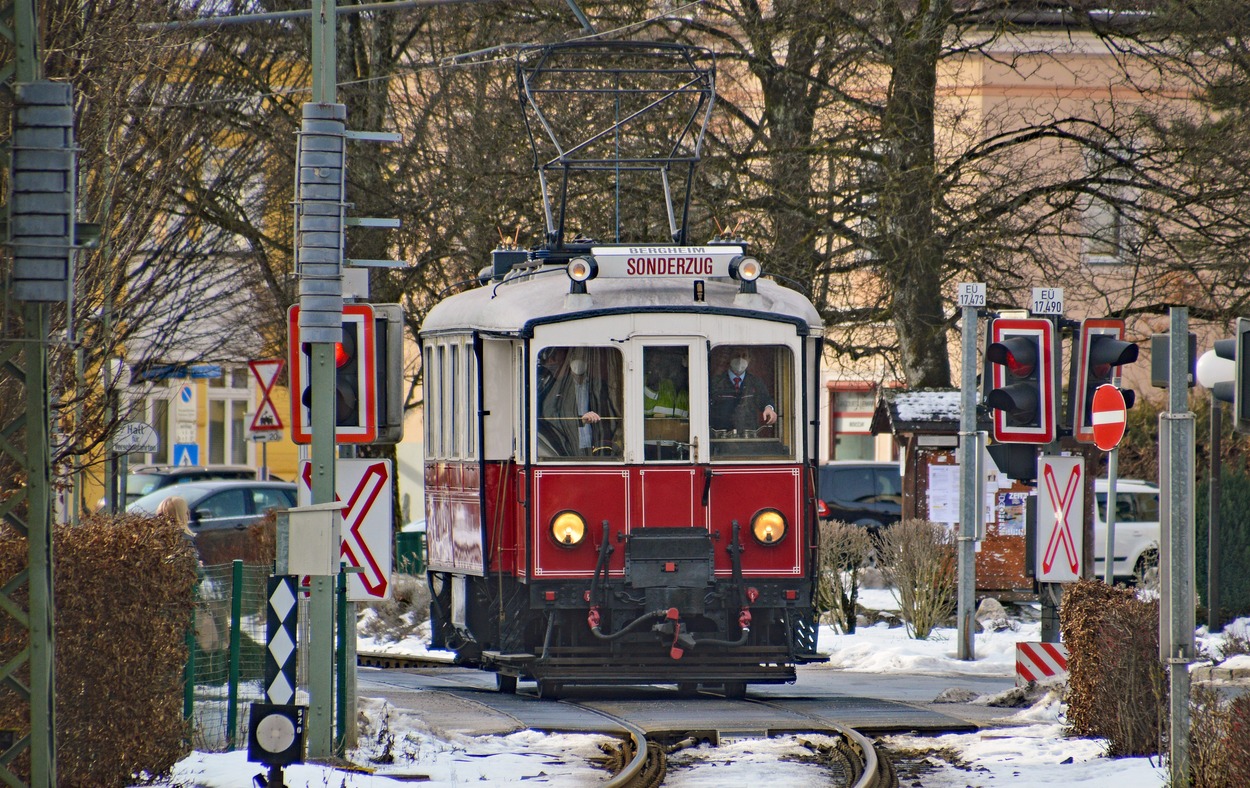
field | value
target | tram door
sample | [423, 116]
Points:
[674, 430]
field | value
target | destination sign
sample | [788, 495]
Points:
[664, 262]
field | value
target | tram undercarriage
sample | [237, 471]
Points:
[668, 620]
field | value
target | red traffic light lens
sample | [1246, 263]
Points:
[1018, 368]
[341, 355]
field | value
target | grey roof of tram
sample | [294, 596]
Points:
[514, 304]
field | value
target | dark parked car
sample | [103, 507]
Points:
[861, 492]
[222, 512]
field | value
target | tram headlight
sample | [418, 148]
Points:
[768, 526]
[582, 268]
[568, 528]
[745, 269]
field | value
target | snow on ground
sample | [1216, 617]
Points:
[1030, 750]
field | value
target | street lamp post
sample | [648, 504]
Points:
[1213, 370]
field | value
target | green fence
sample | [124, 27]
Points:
[226, 655]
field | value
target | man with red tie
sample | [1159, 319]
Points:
[739, 400]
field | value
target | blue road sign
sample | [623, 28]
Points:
[186, 454]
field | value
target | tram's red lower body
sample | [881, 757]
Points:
[668, 584]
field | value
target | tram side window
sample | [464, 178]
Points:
[578, 394]
[666, 403]
[750, 391]
[430, 369]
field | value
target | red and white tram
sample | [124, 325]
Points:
[667, 537]
[620, 439]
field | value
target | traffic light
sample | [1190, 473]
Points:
[1237, 350]
[1101, 351]
[355, 378]
[389, 335]
[348, 360]
[1022, 385]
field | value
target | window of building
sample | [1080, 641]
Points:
[850, 419]
[1107, 232]
[229, 401]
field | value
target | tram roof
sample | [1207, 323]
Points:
[515, 305]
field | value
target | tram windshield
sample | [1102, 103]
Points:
[579, 403]
[748, 388]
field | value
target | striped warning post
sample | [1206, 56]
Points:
[281, 625]
[1037, 661]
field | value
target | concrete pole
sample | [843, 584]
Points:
[969, 506]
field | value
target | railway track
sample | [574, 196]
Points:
[640, 760]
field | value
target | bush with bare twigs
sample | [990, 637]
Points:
[844, 551]
[917, 558]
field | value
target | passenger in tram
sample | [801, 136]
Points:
[579, 414]
[666, 391]
[666, 404]
[739, 401]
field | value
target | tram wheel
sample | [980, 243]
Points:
[505, 683]
[687, 689]
[548, 689]
[737, 690]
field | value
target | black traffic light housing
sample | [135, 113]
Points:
[349, 359]
[1237, 350]
[389, 370]
[1101, 352]
[1021, 389]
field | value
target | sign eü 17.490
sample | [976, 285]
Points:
[1046, 301]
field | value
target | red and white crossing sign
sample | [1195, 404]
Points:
[366, 487]
[1109, 414]
[266, 418]
[1060, 518]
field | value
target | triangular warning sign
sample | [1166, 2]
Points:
[266, 418]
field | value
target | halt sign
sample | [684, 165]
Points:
[1108, 414]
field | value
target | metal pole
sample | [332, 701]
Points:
[1113, 472]
[1214, 620]
[969, 506]
[39, 523]
[321, 378]
[1177, 474]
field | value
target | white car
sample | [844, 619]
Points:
[1136, 530]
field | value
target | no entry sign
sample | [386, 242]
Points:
[1108, 414]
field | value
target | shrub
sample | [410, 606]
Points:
[1208, 738]
[1115, 680]
[917, 558]
[124, 590]
[844, 551]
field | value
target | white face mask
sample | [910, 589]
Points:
[738, 365]
[577, 366]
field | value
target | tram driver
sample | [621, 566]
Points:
[578, 415]
[739, 401]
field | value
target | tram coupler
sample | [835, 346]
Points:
[682, 641]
